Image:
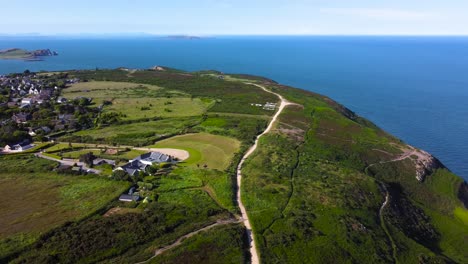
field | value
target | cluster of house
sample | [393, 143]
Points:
[19, 147]
[133, 167]
[27, 90]
[59, 123]
[138, 164]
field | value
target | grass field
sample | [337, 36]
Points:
[101, 91]
[136, 101]
[25, 163]
[137, 108]
[42, 201]
[136, 134]
[212, 150]
[219, 245]
[58, 147]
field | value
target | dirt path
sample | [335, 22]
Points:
[182, 238]
[245, 218]
[404, 156]
[384, 225]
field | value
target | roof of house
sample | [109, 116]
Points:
[134, 166]
[100, 161]
[21, 144]
[21, 116]
[129, 198]
[154, 157]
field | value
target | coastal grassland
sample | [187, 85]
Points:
[25, 163]
[138, 108]
[427, 212]
[241, 127]
[301, 202]
[135, 134]
[202, 193]
[230, 97]
[217, 184]
[223, 244]
[43, 201]
[185, 200]
[135, 101]
[312, 196]
[101, 91]
[205, 149]
[130, 237]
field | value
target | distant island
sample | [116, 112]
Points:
[183, 37]
[22, 54]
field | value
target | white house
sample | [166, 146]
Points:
[27, 101]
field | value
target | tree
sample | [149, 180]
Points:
[151, 170]
[120, 175]
[88, 159]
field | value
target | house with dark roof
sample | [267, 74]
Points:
[133, 167]
[140, 163]
[98, 162]
[21, 118]
[22, 146]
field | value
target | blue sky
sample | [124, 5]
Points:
[241, 17]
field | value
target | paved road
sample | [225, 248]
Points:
[69, 163]
[253, 248]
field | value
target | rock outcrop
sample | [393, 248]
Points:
[44, 52]
[425, 164]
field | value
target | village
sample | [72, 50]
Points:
[31, 106]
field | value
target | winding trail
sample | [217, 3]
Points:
[384, 225]
[245, 218]
[182, 238]
[404, 156]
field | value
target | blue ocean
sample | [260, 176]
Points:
[413, 87]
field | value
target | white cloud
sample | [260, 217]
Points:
[381, 14]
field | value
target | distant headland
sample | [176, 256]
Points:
[22, 54]
[183, 37]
